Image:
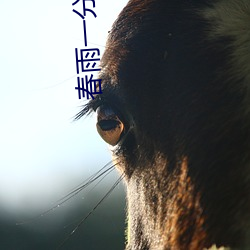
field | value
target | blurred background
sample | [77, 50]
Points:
[44, 154]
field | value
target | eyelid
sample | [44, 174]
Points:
[99, 101]
[96, 103]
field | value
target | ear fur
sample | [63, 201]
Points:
[231, 18]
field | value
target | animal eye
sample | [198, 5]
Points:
[109, 126]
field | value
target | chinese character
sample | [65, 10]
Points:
[88, 88]
[83, 16]
[85, 9]
[88, 60]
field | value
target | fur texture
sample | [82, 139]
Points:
[178, 74]
[230, 18]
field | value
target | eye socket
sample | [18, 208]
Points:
[108, 125]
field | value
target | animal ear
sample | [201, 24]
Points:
[231, 19]
[109, 126]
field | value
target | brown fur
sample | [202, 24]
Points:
[185, 151]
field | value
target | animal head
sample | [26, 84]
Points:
[175, 106]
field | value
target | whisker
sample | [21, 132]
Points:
[90, 191]
[79, 189]
[93, 209]
[99, 45]
[108, 172]
[87, 182]
[103, 171]
[58, 83]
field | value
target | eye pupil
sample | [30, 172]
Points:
[106, 125]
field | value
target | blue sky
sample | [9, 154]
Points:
[42, 150]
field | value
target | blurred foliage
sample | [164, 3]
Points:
[103, 230]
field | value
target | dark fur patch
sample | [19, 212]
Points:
[186, 152]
